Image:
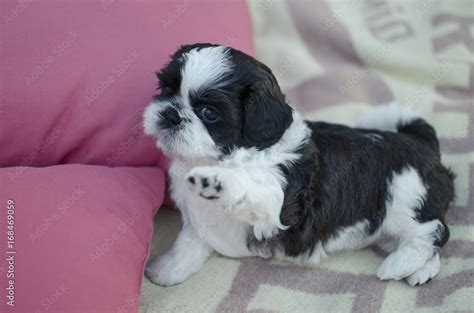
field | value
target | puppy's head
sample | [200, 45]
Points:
[214, 99]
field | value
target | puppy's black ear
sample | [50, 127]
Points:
[266, 115]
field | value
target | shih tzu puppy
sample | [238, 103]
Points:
[252, 178]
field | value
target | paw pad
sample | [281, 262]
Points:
[205, 183]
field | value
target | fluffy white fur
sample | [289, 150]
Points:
[415, 240]
[386, 117]
[204, 67]
[426, 272]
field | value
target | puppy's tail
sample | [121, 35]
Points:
[391, 117]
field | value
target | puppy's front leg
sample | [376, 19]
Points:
[253, 195]
[184, 258]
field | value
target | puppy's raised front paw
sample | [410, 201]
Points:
[204, 181]
[211, 183]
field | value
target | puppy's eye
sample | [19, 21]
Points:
[209, 114]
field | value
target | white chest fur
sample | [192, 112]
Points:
[212, 221]
[251, 181]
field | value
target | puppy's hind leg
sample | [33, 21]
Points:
[418, 241]
[411, 255]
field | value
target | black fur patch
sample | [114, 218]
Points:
[342, 178]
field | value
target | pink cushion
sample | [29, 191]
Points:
[75, 78]
[82, 236]
[76, 75]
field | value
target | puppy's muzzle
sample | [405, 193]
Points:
[169, 118]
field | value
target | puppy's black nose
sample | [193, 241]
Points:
[170, 117]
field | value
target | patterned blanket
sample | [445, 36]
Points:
[336, 60]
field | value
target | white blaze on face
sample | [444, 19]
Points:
[202, 69]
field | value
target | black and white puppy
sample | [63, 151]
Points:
[253, 179]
